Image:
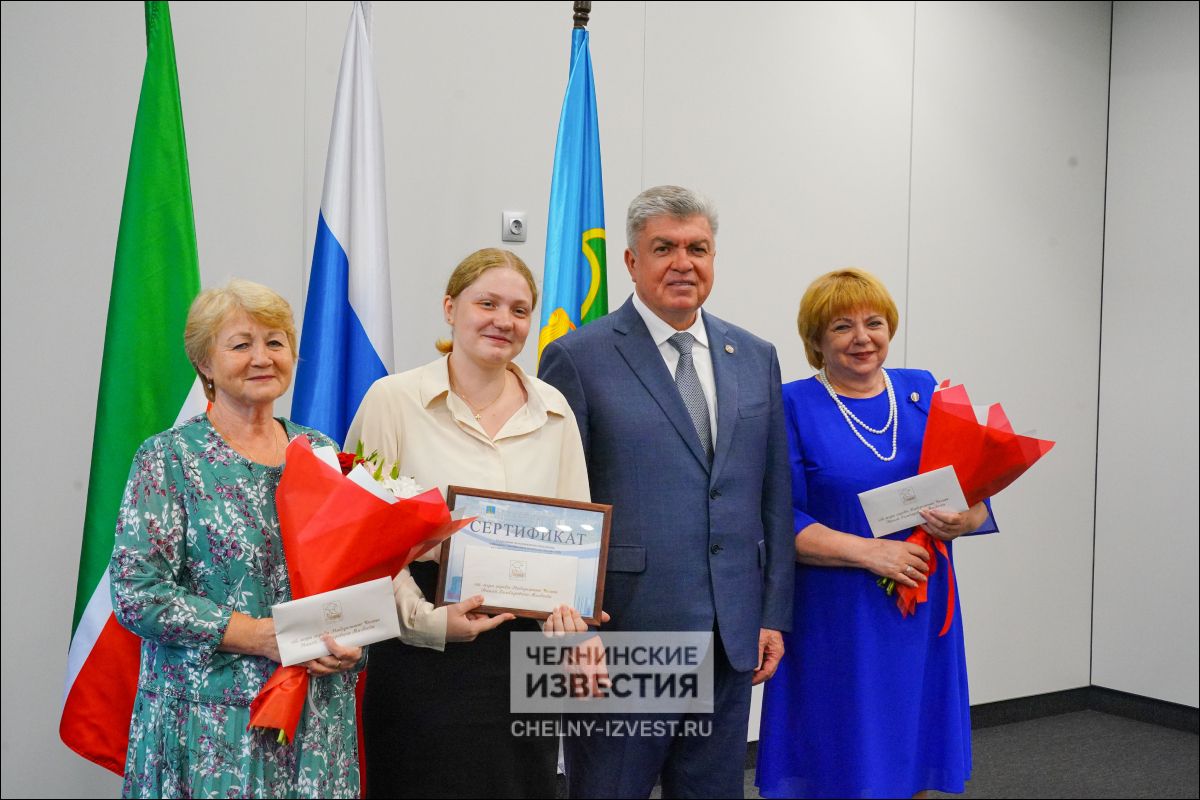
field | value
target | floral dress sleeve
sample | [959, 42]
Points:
[152, 593]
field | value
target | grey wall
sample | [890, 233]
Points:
[1004, 283]
[955, 149]
[1145, 616]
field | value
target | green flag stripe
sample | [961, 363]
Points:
[599, 305]
[145, 376]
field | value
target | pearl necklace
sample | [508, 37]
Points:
[893, 420]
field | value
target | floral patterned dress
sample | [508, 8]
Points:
[197, 539]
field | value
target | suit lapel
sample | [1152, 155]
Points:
[638, 349]
[725, 373]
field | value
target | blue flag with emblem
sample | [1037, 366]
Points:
[575, 284]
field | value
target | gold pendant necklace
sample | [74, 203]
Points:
[478, 412]
[237, 446]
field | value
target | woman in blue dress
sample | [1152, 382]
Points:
[196, 566]
[866, 703]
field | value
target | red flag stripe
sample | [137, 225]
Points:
[95, 720]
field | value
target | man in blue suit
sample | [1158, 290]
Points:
[682, 422]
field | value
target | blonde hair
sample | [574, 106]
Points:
[474, 265]
[213, 307]
[836, 293]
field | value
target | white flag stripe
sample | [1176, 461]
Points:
[95, 617]
[193, 404]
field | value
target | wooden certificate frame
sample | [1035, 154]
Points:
[517, 550]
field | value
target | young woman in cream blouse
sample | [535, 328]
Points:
[472, 418]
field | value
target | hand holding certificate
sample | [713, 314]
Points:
[526, 555]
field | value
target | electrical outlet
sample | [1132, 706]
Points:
[513, 228]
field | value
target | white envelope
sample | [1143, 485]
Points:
[517, 579]
[356, 615]
[897, 506]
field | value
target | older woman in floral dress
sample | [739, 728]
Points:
[198, 563]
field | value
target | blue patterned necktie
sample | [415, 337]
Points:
[688, 383]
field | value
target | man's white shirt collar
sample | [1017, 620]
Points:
[660, 331]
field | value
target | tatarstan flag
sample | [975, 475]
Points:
[146, 385]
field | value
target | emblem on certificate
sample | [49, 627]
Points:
[526, 555]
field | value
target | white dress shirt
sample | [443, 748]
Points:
[661, 332]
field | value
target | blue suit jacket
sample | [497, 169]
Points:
[691, 544]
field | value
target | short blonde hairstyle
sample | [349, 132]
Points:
[836, 293]
[213, 307]
[474, 265]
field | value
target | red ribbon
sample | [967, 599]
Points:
[280, 701]
[907, 597]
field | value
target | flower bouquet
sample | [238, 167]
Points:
[338, 530]
[986, 457]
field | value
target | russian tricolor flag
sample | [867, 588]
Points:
[346, 343]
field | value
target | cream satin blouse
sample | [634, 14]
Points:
[413, 418]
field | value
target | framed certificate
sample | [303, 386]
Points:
[526, 555]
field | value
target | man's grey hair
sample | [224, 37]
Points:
[666, 201]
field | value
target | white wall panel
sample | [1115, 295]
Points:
[1146, 538]
[1004, 293]
[241, 81]
[794, 119]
